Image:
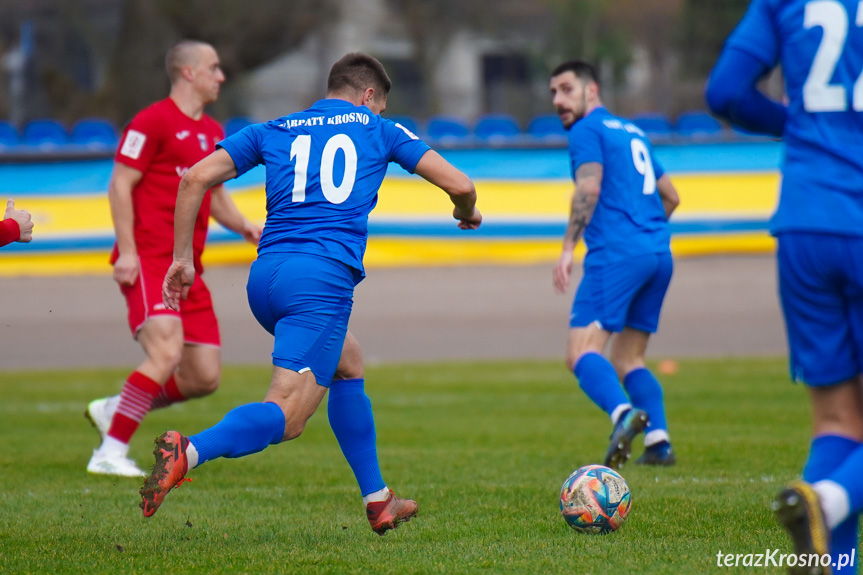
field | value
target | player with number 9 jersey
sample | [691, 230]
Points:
[629, 219]
[621, 205]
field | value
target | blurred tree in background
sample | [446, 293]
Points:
[704, 26]
[106, 57]
[588, 30]
[131, 38]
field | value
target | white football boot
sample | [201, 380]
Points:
[114, 464]
[100, 412]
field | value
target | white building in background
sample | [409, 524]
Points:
[296, 79]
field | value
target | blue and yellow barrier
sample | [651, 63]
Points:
[728, 192]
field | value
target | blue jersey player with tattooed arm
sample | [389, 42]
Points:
[819, 230]
[621, 206]
[323, 170]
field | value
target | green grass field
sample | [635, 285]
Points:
[482, 447]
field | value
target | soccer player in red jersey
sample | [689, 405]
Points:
[183, 358]
[15, 226]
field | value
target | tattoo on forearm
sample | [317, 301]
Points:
[583, 204]
[580, 215]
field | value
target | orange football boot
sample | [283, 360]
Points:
[168, 472]
[386, 515]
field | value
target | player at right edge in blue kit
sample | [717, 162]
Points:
[323, 170]
[819, 230]
[621, 205]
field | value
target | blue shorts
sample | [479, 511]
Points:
[821, 291]
[626, 293]
[305, 301]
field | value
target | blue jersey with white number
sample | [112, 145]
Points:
[324, 168]
[629, 219]
[820, 46]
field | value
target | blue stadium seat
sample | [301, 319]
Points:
[497, 128]
[234, 125]
[8, 135]
[447, 128]
[94, 133]
[654, 125]
[44, 134]
[697, 124]
[406, 121]
[547, 126]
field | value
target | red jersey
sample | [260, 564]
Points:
[10, 231]
[163, 143]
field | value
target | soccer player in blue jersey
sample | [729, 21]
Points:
[819, 230]
[323, 170]
[621, 205]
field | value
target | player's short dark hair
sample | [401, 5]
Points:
[358, 71]
[181, 54]
[582, 70]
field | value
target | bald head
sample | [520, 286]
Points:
[185, 53]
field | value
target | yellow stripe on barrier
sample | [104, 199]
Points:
[748, 195]
[385, 252]
[396, 252]
[718, 194]
[710, 245]
[59, 215]
[53, 264]
[702, 195]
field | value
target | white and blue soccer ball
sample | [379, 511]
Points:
[595, 499]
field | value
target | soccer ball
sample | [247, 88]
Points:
[595, 499]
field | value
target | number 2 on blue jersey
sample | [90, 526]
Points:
[301, 149]
[819, 95]
[643, 165]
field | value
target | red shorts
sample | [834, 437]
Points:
[144, 300]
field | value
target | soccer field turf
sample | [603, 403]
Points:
[482, 447]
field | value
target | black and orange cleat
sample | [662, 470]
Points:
[798, 510]
[386, 515]
[168, 472]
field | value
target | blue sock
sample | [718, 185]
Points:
[646, 393]
[834, 457]
[848, 476]
[350, 413]
[244, 430]
[598, 380]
